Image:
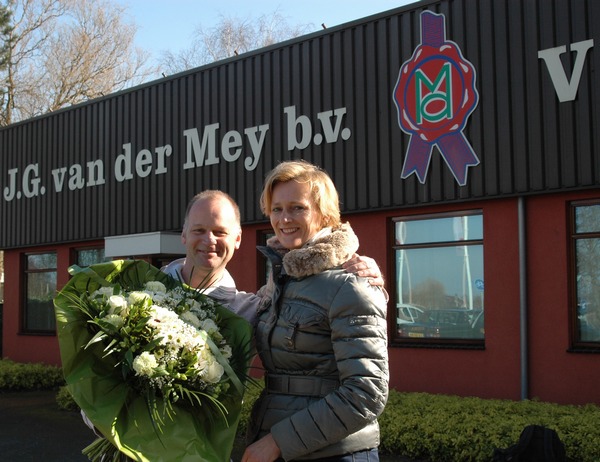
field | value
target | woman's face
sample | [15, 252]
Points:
[294, 216]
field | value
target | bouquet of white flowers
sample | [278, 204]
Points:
[157, 367]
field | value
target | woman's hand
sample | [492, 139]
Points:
[263, 450]
[365, 267]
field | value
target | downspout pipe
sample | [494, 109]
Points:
[524, 345]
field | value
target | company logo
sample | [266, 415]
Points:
[435, 94]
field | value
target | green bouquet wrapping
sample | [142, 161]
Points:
[156, 366]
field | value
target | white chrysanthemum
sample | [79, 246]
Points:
[156, 286]
[173, 331]
[226, 351]
[209, 326]
[145, 364]
[161, 314]
[115, 320]
[174, 338]
[191, 318]
[106, 291]
[138, 297]
[201, 363]
[118, 305]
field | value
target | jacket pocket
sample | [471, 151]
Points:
[303, 327]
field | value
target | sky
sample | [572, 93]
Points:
[170, 25]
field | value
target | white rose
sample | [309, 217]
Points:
[118, 305]
[213, 372]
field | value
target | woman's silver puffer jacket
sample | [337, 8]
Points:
[322, 334]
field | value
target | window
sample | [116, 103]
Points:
[439, 280]
[585, 312]
[87, 257]
[40, 289]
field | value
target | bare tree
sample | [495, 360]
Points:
[231, 36]
[430, 293]
[63, 52]
[5, 31]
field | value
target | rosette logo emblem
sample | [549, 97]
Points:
[435, 95]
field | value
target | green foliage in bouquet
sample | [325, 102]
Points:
[157, 367]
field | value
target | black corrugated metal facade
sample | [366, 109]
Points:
[527, 141]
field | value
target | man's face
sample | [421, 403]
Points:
[211, 235]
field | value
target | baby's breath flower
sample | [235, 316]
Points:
[161, 299]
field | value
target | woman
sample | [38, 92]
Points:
[321, 335]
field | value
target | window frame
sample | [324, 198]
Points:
[25, 329]
[576, 344]
[442, 343]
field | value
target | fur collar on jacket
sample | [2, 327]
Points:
[328, 249]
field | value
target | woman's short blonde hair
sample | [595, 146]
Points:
[324, 194]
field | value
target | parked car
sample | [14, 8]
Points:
[408, 313]
[452, 323]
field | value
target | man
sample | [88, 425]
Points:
[211, 234]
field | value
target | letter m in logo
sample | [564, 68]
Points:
[433, 99]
